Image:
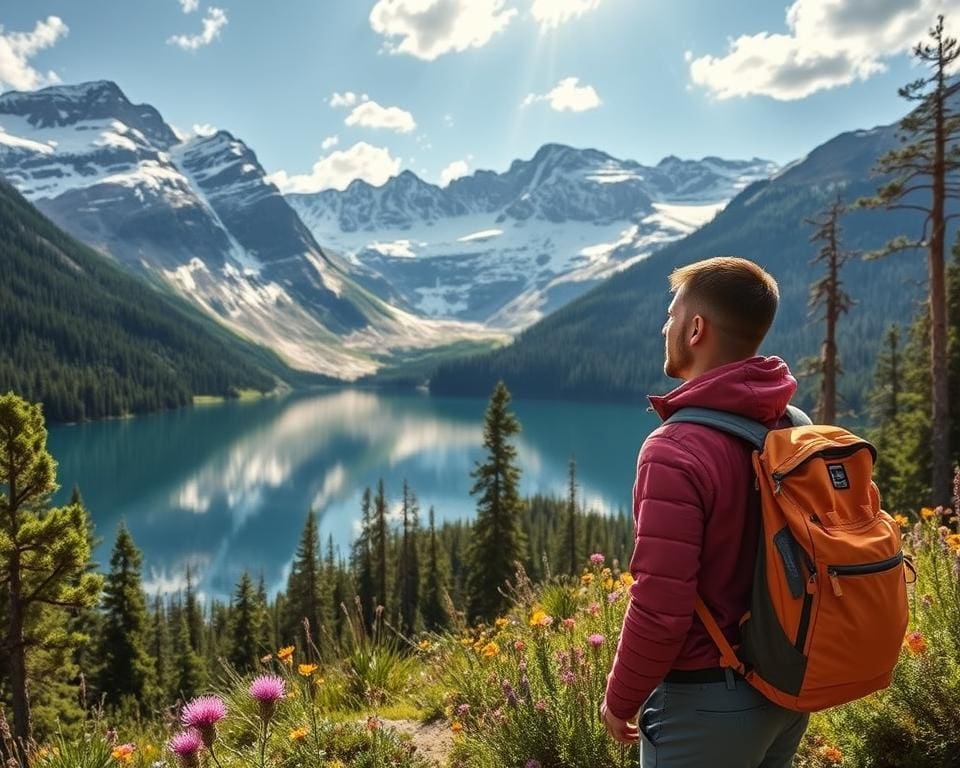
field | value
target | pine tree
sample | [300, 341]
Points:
[194, 615]
[127, 673]
[266, 639]
[379, 541]
[408, 564]
[244, 627]
[571, 550]
[189, 672]
[161, 649]
[434, 583]
[497, 542]
[828, 293]
[924, 167]
[304, 584]
[362, 559]
[44, 553]
[335, 595]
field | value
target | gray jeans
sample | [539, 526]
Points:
[711, 725]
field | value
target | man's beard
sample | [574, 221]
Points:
[679, 357]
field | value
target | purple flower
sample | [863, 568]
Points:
[186, 745]
[509, 693]
[203, 713]
[463, 710]
[567, 677]
[614, 596]
[596, 640]
[267, 690]
[597, 558]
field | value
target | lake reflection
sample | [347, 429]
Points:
[225, 488]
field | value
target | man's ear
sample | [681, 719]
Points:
[697, 328]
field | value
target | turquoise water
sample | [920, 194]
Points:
[226, 487]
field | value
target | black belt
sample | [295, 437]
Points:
[708, 675]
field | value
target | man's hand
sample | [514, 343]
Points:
[624, 731]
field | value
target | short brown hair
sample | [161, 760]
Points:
[738, 296]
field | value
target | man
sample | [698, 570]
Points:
[697, 520]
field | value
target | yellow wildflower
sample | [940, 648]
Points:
[123, 753]
[953, 541]
[298, 734]
[425, 645]
[902, 520]
[456, 726]
[502, 622]
[490, 650]
[928, 512]
[608, 584]
[285, 655]
[626, 579]
[832, 754]
[586, 579]
[307, 669]
[536, 619]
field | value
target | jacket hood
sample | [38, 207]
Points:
[758, 388]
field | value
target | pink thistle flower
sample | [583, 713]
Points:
[186, 745]
[203, 713]
[596, 640]
[267, 690]
[569, 623]
[567, 677]
[593, 609]
[614, 596]
[597, 558]
[520, 646]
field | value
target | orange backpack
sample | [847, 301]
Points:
[829, 604]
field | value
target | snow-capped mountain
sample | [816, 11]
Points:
[199, 215]
[504, 249]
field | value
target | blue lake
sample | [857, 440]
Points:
[226, 487]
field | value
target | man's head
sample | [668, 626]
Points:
[721, 310]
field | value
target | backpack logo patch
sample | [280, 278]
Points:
[838, 476]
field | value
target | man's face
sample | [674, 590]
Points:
[678, 355]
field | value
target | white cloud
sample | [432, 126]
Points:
[362, 161]
[189, 6]
[455, 170]
[17, 48]
[568, 95]
[430, 28]
[204, 129]
[448, 121]
[346, 99]
[213, 23]
[552, 13]
[329, 142]
[830, 43]
[372, 115]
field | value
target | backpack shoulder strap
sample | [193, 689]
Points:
[752, 431]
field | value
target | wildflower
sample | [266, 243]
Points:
[614, 596]
[626, 579]
[532, 764]
[509, 693]
[519, 646]
[593, 609]
[307, 669]
[537, 617]
[285, 655]
[203, 713]
[490, 650]
[586, 579]
[267, 690]
[540, 706]
[298, 734]
[915, 643]
[597, 558]
[927, 600]
[596, 640]
[456, 726]
[524, 685]
[832, 754]
[123, 753]
[374, 723]
[567, 677]
[953, 541]
[927, 513]
[425, 645]
[266, 659]
[569, 623]
[463, 710]
[501, 622]
[186, 745]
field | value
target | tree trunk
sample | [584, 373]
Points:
[18, 664]
[940, 397]
[828, 410]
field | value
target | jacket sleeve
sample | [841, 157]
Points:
[670, 495]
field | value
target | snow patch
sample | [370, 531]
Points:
[482, 236]
[398, 249]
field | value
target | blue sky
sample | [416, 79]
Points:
[468, 84]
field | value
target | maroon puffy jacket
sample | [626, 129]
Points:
[697, 522]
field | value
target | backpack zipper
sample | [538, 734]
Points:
[835, 571]
[805, 613]
[826, 453]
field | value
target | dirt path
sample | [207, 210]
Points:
[432, 740]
